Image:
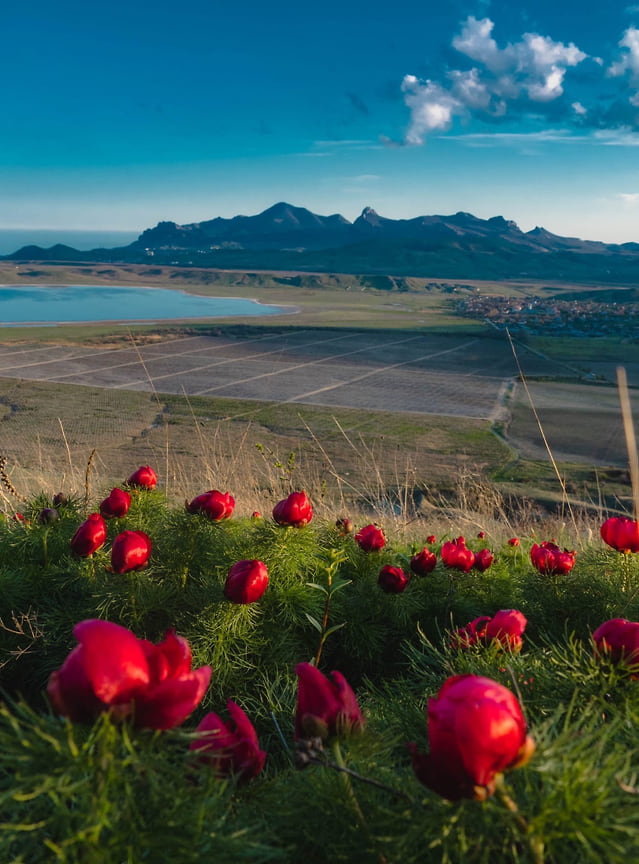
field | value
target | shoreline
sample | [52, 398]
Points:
[284, 309]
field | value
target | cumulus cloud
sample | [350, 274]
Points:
[432, 108]
[532, 69]
[476, 42]
[629, 197]
[628, 62]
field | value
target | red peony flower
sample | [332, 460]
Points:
[174, 690]
[481, 535]
[145, 478]
[431, 538]
[215, 505]
[476, 730]
[230, 750]
[20, 517]
[131, 551]
[423, 563]
[621, 533]
[256, 514]
[392, 580]
[295, 510]
[246, 582]
[456, 556]
[90, 536]
[505, 629]
[112, 670]
[116, 505]
[483, 560]
[471, 634]
[550, 560]
[514, 541]
[619, 639]
[370, 538]
[324, 707]
[344, 525]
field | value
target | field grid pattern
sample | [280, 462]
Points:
[392, 372]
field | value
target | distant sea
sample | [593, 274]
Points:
[12, 239]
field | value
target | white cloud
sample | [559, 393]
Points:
[432, 108]
[532, 68]
[330, 147]
[629, 61]
[476, 42]
[579, 109]
[629, 197]
[622, 137]
[542, 136]
[469, 89]
[536, 63]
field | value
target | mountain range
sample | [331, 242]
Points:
[287, 237]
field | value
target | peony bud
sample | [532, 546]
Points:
[370, 538]
[423, 563]
[131, 551]
[145, 478]
[621, 533]
[116, 504]
[295, 511]
[483, 560]
[246, 582]
[324, 707]
[476, 730]
[619, 638]
[90, 536]
[48, 515]
[392, 580]
[215, 505]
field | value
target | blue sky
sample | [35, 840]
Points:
[119, 115]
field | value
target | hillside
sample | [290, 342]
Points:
[285, 237]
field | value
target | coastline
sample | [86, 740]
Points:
[123, 321]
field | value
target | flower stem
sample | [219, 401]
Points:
[535, 844]
[348, 787]
[327, 606]
[449, 597]
[376, 783]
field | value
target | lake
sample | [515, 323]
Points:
[58, 304]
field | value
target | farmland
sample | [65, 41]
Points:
[366, 369]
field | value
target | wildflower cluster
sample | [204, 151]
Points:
[256, 646]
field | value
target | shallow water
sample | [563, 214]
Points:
[58, 304]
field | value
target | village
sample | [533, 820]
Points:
[577, 318]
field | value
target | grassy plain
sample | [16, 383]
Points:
[49, 430]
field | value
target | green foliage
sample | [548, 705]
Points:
[110, 793]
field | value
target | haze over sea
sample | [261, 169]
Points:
[12, 239]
